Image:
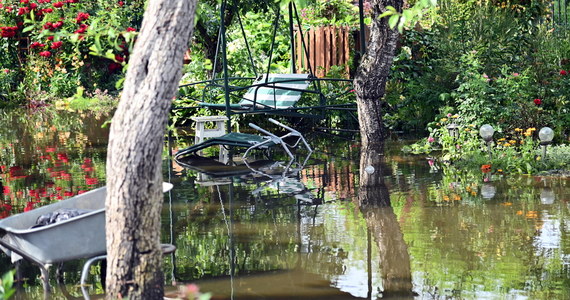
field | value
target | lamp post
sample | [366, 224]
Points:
[545, 135]
[453, 130]
[486, 132]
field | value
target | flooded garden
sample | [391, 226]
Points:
[431, 231]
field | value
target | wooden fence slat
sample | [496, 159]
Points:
[326, 46]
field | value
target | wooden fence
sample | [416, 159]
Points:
[325, 47]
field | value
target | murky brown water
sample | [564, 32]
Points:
[446, 233]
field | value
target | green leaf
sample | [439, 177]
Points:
[110, 55]
[29, 28]
[393, 21]
[401, 24]
[386, 13]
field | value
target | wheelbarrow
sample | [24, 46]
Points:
[80, 237]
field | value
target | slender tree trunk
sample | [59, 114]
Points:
[374, 203]
[134, 177]
[372, 74]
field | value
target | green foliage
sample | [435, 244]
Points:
[6, 286]
[330, 12]
[59, 46]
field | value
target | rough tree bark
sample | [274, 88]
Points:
[371, 76]
[381, 221]
[134, 177]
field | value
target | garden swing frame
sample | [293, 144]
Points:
[228, 90]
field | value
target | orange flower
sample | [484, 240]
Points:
[486, 168]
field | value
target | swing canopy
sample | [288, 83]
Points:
[298, 93]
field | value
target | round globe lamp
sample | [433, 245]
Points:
[545, 135]
[486, 132]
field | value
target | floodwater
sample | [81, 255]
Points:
[428, 232]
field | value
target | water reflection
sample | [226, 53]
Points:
[313, 234]
[382, 223]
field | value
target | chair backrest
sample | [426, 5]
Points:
[276, 91]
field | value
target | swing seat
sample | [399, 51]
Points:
[271, 91]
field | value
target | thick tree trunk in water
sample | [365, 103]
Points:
[372, 73]
[381, 221]
[134, 177]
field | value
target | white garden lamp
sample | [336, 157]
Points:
[453, 130]
[545, 135]
[486, 132]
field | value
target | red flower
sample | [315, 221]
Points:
[56, 45]
[537, 101]
[130, 29]
[47, 10]
[36, 45]
[33, 6]
[23, 10]
[58, 4]
[119, 58]
[25, 1]
[563, 73]
[45, 53]
[121, 3]
[486, 168]
[113, 67]
[9, 32]
[82, 17]
[6, 190]
[68, 194]
[82, 28]
[57, 25]
[81, 192]
[50, 38]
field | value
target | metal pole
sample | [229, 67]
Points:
[489, 149]
[225, 63]
[362, 28]
[292, 38]
[544, 151]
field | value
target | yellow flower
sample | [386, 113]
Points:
[472, 125]
[500, 170]
[506, 144]
[512, 142]
[443, 119]
[518, 129]
[538, 158]
[445, 198]
[455, 116]
[528, 133]
[501, 139]
[467, 129]
[531, 129]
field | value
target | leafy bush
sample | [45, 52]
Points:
[59, 46]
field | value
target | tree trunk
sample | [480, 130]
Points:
[134, 177]
[381, 221]
[372, 74]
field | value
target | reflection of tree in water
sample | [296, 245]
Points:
[382, 223]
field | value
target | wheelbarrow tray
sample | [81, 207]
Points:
[82, 236]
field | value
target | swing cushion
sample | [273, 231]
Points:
[281, 91]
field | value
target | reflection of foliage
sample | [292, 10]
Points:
[464, 240]
[46, 156]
